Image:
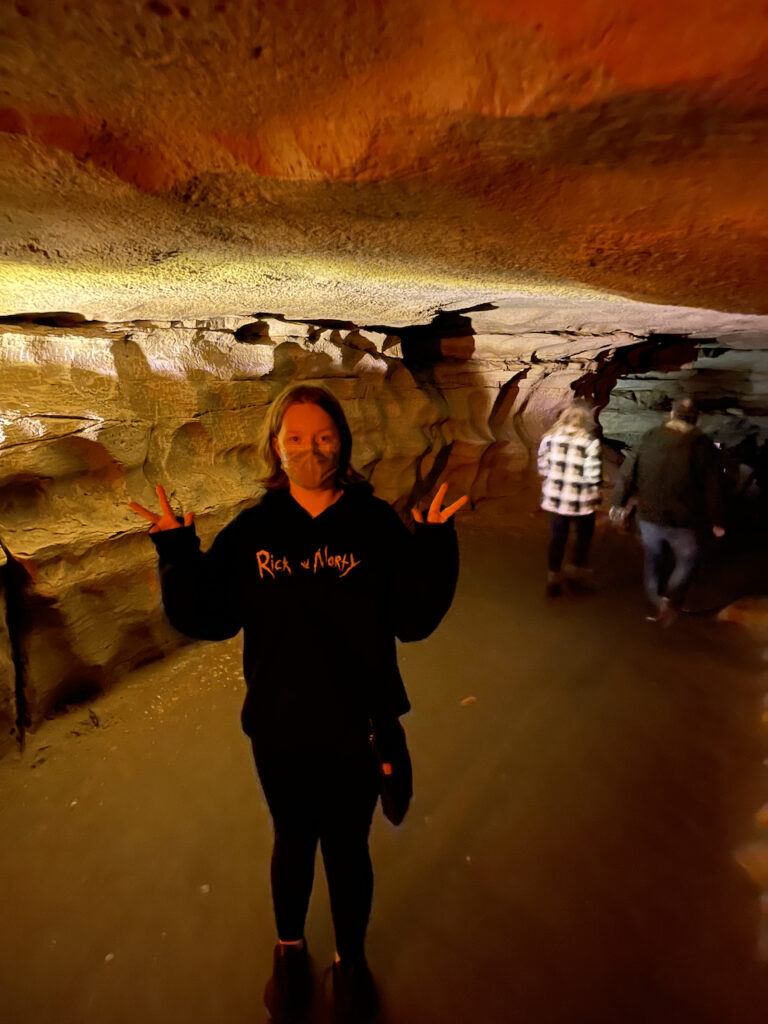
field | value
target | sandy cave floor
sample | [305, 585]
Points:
[567, 858]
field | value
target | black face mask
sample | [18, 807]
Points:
[310, 468]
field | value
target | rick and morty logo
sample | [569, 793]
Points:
[271, 566]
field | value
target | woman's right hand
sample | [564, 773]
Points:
[166, 521]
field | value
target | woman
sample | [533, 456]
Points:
[571, 469]
[321, 576]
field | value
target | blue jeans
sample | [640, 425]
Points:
[684, 546]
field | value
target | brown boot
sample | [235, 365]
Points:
[665, 615]
[554, 584]
[289, 990]
[355, 999]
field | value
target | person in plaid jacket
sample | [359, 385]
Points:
[570, 466]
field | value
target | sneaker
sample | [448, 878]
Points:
[289, 990]
[355, 999]
[665, 614]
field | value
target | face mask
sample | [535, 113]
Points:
[310, 468]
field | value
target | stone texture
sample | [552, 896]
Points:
[378, 162]
[95, 415]
[730, 385]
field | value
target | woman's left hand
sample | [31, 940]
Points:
[437, 514]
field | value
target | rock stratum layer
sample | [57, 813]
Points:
[378, 162]
[96, 414]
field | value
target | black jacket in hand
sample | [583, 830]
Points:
[320, 602]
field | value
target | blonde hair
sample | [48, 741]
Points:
[576, 418]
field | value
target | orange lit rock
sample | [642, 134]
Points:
[620, 146]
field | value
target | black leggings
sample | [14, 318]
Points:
[329, 798]
[558, 537]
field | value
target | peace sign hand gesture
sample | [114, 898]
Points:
[166, 521]
[437, 514]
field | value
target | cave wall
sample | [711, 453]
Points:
[729, 384]
[95, 415]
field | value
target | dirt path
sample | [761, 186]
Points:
[567, 858]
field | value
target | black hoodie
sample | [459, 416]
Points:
[320, 602]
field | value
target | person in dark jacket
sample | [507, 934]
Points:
[321, 576]
[677, 478]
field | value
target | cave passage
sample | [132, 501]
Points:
[462, 215]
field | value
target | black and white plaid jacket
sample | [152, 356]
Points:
[571, 468]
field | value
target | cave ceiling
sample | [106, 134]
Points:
[574, 166]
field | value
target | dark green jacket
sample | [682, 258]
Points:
[677, 478]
